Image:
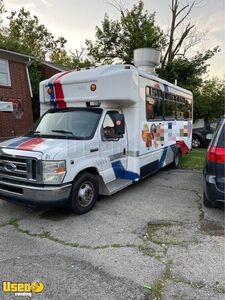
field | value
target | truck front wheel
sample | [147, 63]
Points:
[84, 193]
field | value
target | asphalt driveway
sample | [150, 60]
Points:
[154, 234]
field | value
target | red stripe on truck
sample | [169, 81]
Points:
[59, 95]
[183, 147]
[31, 144]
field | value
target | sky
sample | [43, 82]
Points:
[76, 21]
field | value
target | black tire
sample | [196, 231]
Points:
[206, 202]
[84, 193]
[177, 158]
[196, 142]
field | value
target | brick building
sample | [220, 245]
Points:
[15, 87]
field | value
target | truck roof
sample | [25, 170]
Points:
[113, 83]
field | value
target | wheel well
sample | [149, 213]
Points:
[91, 170]
[197, 136]
[179, 149]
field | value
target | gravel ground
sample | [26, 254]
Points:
[153, 240]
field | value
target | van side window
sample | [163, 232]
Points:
[181, 108]
[170, 106]
[166, 105]
[154, 103]
[108, 126]
[189, 109]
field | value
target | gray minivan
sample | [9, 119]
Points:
[214, 169]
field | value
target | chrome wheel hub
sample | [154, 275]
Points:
[195, 143]
[86, 193]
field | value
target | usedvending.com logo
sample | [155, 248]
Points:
[25, 289]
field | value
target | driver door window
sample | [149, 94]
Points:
[108, 127]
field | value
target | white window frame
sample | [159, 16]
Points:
[8, 73]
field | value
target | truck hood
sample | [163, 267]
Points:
[48, 147]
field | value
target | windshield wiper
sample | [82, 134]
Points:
[63, 131]
[33, 131]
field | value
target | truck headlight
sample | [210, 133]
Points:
[53, 171]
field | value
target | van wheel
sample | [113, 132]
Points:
[84, 193]
[177, 159]
[196, 142]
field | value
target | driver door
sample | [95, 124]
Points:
[113, 148]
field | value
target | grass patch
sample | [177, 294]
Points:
[194, 160]
[146, 250]
[151, 235]
[220, 289]
[155, 291]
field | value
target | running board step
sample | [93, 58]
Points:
[117, 185]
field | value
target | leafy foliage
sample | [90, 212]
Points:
[35, 78]
[116, 40]
[210, 101]
[208, 96]
[188, 71]
[24, 34]
[72, 60]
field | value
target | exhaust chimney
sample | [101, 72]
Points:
[147, 59]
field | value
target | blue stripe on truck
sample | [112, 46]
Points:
[19, 142]
[120, 172]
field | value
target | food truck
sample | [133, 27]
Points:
[101, 130]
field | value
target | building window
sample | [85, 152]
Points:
[4, 73]
[154, 103]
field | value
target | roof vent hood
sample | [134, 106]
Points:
[147, 59]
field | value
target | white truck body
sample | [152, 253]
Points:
[146, 145]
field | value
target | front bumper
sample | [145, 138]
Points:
[35, 195]
[212, 192]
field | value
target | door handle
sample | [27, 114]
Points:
[94, 150]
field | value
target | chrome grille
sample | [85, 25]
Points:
[18, 168]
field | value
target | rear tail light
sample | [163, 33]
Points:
[216, 154]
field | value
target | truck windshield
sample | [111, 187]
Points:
[79, 123]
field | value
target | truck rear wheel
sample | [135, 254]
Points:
[84, 193]
[177, 159]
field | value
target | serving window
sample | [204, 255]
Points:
[181, 109]
[166, 105]
[189, 109]
[154, 103]
[170, 106]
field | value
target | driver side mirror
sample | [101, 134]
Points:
[119, 124]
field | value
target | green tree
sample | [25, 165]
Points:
[2, 10]
[70, 59]
[209, 103]
[177, 61]
[24, 34]
[116, 39]
[35, 78]
[2, 29]
[181, 35]
[188, 71]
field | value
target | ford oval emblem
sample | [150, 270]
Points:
[10, 167]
